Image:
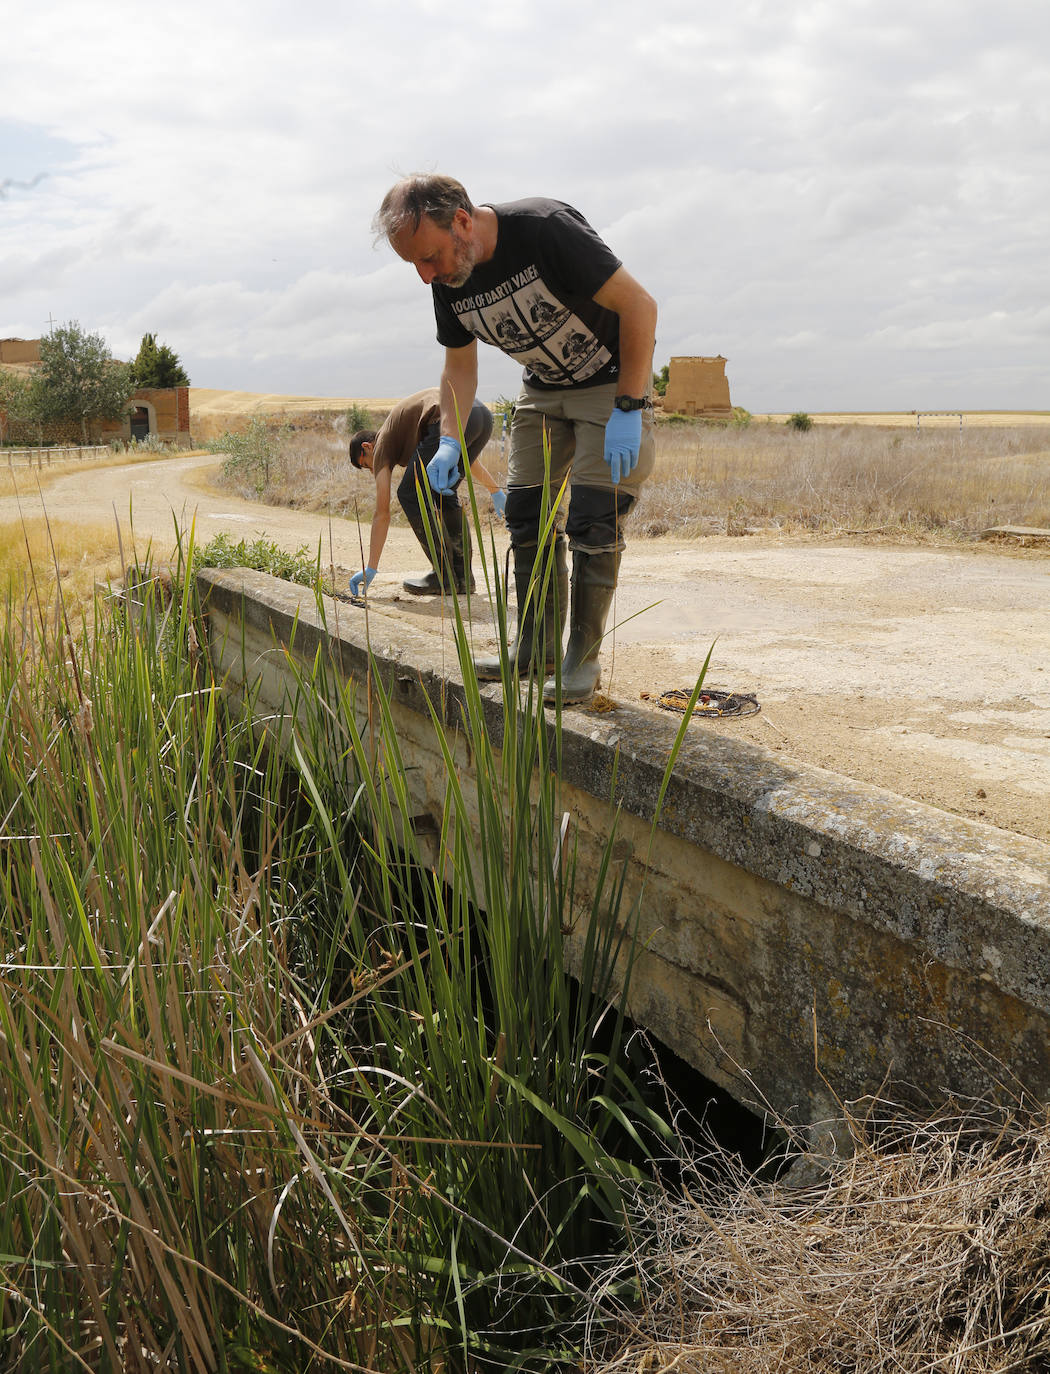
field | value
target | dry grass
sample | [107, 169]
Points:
[39, 556]
[939, 485]
[927, 1250]
[314, 472]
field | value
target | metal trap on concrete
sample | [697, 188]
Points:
[348, 600]
[712, 701]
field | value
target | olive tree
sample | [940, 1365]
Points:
[80, 380]
[16, 401]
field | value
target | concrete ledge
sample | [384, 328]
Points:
[804, 936]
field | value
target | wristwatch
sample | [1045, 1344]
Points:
[630, 402]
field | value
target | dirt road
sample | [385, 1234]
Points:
[923, 671]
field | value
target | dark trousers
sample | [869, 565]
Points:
[476, 433]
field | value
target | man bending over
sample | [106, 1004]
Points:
[532, 278]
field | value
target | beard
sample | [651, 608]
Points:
[464, 257]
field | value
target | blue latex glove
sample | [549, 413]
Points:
[499, 504]
[361, 581]
[443, 468]
[623, 439]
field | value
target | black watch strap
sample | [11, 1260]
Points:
[630, 402]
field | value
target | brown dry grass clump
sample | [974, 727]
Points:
[939, 485]
[927, 1250]
[856, 479]
[37, 556]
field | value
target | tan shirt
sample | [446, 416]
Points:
[403, 428]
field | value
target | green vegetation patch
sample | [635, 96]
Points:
[261, 555]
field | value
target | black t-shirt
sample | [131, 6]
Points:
[533, 299]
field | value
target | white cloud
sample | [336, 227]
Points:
[850, 200]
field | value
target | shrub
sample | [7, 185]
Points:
[800, 421]
[251, 454]
[262, 555]
[359, 417]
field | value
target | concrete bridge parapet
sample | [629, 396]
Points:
[804, 937]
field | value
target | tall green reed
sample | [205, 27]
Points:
[280, 1087]
[504, 1079]
[149, 889]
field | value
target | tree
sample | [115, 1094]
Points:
[158, 365]
[660, 380]
[79, 379]
[252, 454]
[15, 401]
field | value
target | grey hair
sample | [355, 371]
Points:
[405, 204]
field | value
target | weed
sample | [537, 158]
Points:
[262, 555]
[359, 417]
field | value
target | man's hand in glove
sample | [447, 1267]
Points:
[623, 439]
[443, 468]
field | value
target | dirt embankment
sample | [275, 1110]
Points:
[212, 412]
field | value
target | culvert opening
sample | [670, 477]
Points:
[716, 1134]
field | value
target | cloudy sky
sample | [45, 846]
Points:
[850, 200]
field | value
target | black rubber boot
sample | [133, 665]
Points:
[529, 645]
[457, 542]
[452, 541]
[593, 584]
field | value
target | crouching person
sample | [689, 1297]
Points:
[408, 439]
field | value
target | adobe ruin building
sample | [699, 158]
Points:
[160, 411]
[698, 386]
[19, 352]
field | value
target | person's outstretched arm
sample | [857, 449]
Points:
[459, 386]
[637, 314]
[629, 300]
[361, 581]
[480, 473]
[381, 518]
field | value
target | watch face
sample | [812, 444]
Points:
[629, 403]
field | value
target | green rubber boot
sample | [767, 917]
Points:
[530, 644]
[593, 584]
